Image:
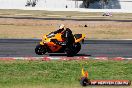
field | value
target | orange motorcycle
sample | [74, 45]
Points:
[47, 45]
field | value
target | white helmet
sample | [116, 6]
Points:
[61, 26]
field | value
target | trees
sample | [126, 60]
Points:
[86, 3]
[31, 3]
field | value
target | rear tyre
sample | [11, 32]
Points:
[77, 47]
[69, 52]
[40, 49]
[73, 50]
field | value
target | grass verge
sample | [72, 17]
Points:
[59, 74]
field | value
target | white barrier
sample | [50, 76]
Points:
[124, 6]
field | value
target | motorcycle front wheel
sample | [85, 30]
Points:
[40, 49]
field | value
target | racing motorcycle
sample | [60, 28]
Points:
[47, 44]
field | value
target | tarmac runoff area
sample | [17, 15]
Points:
[23, 49]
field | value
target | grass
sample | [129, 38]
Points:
[58, 74]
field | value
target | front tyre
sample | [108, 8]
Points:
[40, 49]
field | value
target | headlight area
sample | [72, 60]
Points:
[45, 40]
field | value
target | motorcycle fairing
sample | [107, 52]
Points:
[79, 37]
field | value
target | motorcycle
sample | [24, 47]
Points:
[47, 44]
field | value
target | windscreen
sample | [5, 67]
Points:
[50, 35]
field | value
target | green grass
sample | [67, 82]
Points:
[58, 74]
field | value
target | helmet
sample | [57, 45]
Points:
[62, 26]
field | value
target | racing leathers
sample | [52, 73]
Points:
[59, 31]
[67, 36]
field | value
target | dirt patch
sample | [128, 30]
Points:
[35, 28]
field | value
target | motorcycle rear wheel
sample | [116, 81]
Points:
[69, 52]
[77, 47]
[72, 51]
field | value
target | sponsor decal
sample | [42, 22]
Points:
[85, 81]
[110, 82]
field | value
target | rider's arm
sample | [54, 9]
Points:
[58, 31]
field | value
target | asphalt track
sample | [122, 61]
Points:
[91, 48]
[74, 19]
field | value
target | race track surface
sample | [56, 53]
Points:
[92, 48]
[74, 19]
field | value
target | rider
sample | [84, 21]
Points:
[67, 36]
[61, 29]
